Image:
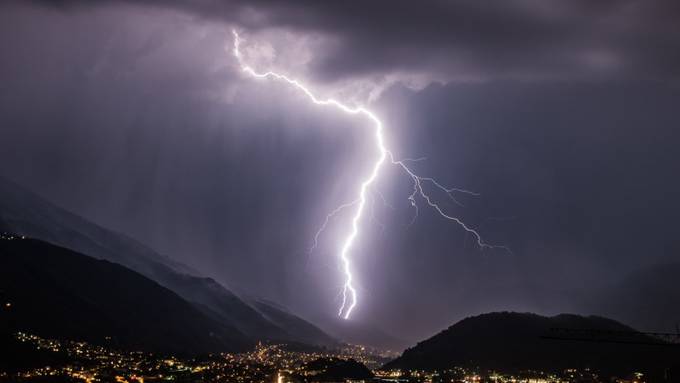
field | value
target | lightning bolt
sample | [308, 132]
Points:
[327, 220]
[349, 292]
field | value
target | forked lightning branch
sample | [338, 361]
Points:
[382, 155]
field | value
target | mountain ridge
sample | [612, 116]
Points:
[24, 212]
[102, 302]
[515, 341]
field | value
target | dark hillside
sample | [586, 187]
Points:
[57, 293]
[514, 341]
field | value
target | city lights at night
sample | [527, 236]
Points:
[339, 192]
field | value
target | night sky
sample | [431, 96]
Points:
[562, 115]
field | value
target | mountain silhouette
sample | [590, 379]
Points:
[337, 370]
[57, 293]
[22, 212]
[515, 341]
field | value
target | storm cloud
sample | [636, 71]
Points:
[463, 40]
[561, 114]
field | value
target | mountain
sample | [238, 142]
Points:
[513, 341]
[57, 293]
[25, 213]
[337, 370]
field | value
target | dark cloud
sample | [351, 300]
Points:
[467, 39]
[136, 117]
